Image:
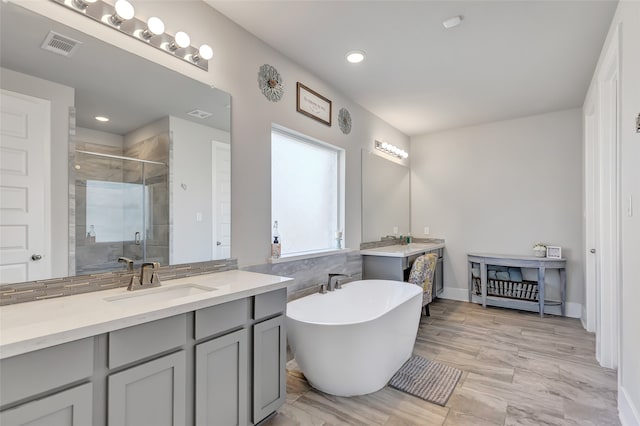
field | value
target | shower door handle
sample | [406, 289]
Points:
[136, 238]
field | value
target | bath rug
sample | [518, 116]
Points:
[429, 380]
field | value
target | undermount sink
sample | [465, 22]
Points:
[158, 294]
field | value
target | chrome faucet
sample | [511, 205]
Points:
[147, 279]
[338, 283]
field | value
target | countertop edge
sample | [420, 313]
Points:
[384, 251]
[44, 340]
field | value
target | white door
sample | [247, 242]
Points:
[592, 179]
[24, 188]
[222, 200]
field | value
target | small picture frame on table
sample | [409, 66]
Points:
[554, 252]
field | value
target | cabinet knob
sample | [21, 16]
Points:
[592, 250]
[36, 256]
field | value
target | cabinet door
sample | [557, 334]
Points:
[221, 380]
[152, 393]
[439, 278]
[269, 359]
[67, 408]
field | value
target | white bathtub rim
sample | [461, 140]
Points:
[417, 290]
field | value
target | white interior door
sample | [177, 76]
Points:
[592, 179]
[222, 200]
[25, 203]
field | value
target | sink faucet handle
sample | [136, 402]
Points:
[128, 261]
[144, 276]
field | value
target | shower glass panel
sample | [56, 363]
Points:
[122, 209]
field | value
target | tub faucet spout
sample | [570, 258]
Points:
[338, 285]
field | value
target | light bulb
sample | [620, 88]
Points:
[124, 12]
[155, 25]
[182, 39]
[206, 52]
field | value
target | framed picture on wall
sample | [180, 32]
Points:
[554, 252]
[313, 104]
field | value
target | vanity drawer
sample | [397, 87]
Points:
[268, 304]
[145, 340]
[39, 371]
[216, 319]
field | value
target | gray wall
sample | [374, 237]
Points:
[237, 58]
[499, 188]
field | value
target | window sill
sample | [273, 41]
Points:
[294, 257]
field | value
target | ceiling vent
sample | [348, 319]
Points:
[62, 45]
[198, 113]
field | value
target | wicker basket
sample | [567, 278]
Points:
[525, 290]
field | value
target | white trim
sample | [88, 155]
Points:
[454, 293]
[573, 310]
[294, 257]
[628, 413]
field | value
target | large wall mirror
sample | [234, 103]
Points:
[385, 197]
[152, 183]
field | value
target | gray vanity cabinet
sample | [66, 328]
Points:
[221, 380]
[67, 408]
[269, 373]
[152, 393]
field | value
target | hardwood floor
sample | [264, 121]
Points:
[518, 369]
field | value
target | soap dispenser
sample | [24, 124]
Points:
[275, 245]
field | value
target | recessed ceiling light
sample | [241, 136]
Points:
[355, 56]
[101, 118]
[452, 22]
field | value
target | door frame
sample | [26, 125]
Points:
[603, 221]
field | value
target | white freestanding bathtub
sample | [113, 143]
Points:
[351, 341]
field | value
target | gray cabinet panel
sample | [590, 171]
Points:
[140, 341]
[221, 380]
[220, 318]
[39, 371]
[68, 408]
[152, 393]
[268, 304]
[269, 375]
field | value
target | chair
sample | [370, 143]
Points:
[422, 272]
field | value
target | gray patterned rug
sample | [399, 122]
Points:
[429, 380]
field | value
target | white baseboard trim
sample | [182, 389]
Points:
[627, 411]
[453, 293]
[572, 309]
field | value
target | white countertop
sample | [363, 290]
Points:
[400, 250]
[30, 326]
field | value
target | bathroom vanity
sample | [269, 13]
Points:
[394, 262]
[213, 352]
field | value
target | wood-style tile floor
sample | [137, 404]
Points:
[518, 369]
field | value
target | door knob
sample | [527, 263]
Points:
[592, 250]
[218, 243]
[36, 257]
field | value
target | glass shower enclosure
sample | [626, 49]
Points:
[122, 210]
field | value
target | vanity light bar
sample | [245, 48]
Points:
[121, 18]
[392, 150]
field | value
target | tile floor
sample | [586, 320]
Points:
[518, 369]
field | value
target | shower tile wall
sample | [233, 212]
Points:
[102, 256]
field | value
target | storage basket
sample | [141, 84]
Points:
[525, 290]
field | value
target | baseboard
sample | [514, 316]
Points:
[453, 293]
[572, 309]
[628, 413]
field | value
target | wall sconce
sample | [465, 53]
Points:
[121, 17]
[392, 150]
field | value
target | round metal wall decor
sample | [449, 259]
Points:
[270, 83]
[344, 120]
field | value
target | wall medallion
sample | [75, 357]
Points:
[344, 120]
[270, 83]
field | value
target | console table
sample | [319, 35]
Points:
[539, 263]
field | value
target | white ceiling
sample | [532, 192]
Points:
[508, 58]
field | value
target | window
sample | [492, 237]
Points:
[307, 192]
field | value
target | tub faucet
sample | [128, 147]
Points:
[338, 284]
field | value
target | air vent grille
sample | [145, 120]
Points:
[62, 45]
[198, 113]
